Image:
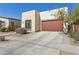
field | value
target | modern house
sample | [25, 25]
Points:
[43, 21]
[10, 22]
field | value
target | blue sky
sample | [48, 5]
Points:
[14, 10]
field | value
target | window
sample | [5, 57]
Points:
[28, 24]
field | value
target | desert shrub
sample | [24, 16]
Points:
[76, 36]
[21, 30]
[72, 34]
[11, 28]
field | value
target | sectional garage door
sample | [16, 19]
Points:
[52, 25]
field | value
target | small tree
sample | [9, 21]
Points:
[63, 16]
[75, 14]
[74, 17]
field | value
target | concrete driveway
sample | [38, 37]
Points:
[39, 43]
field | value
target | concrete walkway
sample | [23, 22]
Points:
[39, 43]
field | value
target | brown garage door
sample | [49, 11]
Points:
[52, 25]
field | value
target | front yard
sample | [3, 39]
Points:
[38, 43]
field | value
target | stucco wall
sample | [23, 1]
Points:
[33, 16]
[37, 21]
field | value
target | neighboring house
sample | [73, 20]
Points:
[10, 22]
[43, 21]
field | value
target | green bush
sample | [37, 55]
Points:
[3, 29]
[21, 30]
[11, 28]
[76, 36]
[72, 34]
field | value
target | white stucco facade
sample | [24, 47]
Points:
[50, 14]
